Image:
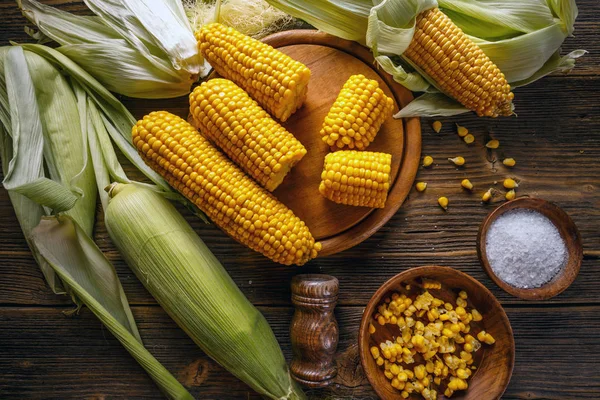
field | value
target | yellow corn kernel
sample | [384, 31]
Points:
[448, 306]
[468, 347]
[493, 144]
[371, 328]
[509, 162]
[429, 354]
[466, 184]
[487, 196]
[448, 392]
[356, 115]
[469, 139]
[476, 315]
[396, 383]
[448, 333]
[437, 126]
[421, 186]
[510, 195]
[437, 380]
[443, 51]
[460, 311]
[457, 160]
[461, 302]
[463, 295]
[510, 183]
[466, 356]
[395, 369]
[443, 202]
[461, 130]
[375, 352]
[481, 336]
[388, 375]
[276, 81]
[379, 361]
[402, 377]
[381, 320]
[404, 394]
[357, 178]
[444, 317]
[262, 148]
[431, 284]
[427, 161]
[187, 161]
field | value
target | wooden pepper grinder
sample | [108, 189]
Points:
[314, 330]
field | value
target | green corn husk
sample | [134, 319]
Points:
[192, 286]
[138, 48]
[522, 37]
[41, 129]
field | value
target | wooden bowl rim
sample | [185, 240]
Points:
[407, 172]
[417, 271]
[562, 280]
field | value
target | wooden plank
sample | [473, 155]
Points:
[47, 355]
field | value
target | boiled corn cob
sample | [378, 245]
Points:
[245, 132]
[276, 81]
[458, 66]
[231, 199]
[357, 178]
[357, 114]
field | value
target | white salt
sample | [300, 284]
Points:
[525, 249]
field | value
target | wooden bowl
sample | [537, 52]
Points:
[494, 363]
[332, 61]
[568, 231]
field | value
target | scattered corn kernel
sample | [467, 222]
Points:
[371, 329]
[510, 195]
[469, 139]
[466, 184]
[431, 284]
[375, 352]
[509, 162]
[510, 183]
[487, 196]
[443, 202]
[437, 126]
[461, 130]
[427, 161]
[476, 315]
[493, 144]
[421, 186]
[463, 295]
[457, 160]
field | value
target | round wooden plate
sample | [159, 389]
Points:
[332, 61]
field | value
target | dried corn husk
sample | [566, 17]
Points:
[139, 48]
[40, 127]
[522, 37]
[188, 281]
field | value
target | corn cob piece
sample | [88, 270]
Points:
[276, 81]
[245, 132]
[231, 199]
[356, 178]
[357, 114]
[459, 66]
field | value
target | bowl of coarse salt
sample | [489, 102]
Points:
[531, 248]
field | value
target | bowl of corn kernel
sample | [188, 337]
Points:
[436, 333]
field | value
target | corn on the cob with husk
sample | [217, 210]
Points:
[257, 143]
[231, 199]
[275, 80]
[356, 178]
[192, 286]
[357, 114]
[458, 66]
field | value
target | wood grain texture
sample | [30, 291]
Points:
[45, 355]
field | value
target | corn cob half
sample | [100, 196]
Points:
[245, 132]
[459, 66]
[357, 114]
[275, 80]
[231, 199]
[356, 178]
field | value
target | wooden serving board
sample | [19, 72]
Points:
[332, 61]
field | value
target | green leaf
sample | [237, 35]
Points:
[81, 265]
[432, 105]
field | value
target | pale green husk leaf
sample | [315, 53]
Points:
[40, 129]
[192, 286]
[139, 48]
[522, 37]
[83, 268]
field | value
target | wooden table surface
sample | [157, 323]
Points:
[555, 139]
